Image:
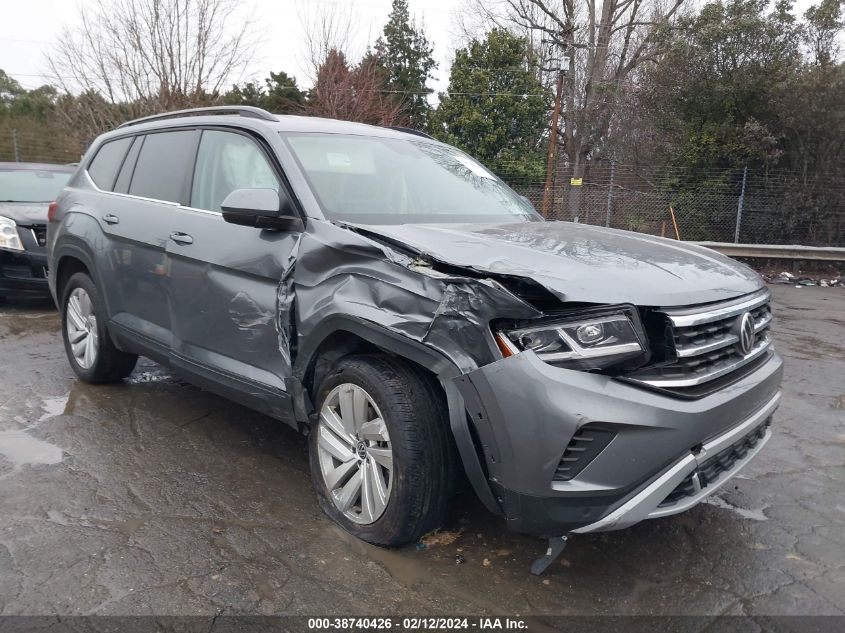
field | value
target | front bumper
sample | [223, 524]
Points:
[23, 274]
[525, 412]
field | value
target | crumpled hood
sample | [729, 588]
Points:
[25, 212]
[579, 262]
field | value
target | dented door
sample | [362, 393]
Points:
[225, 279]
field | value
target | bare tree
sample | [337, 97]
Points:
[598, 47]
[341, 88]
[354, 94]
[136, 57]
[326, 27]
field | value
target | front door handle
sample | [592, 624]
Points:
[181, 238]
[110, 218]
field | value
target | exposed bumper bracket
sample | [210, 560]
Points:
[556, 546]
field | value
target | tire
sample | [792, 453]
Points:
[84, 321]
[421, 481]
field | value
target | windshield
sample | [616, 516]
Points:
[372, 180]
[31, 185]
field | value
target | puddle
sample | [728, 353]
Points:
[20, 449]
[753, 515]
[406, 568]
[54, 406]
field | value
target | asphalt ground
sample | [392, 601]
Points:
[154, 497]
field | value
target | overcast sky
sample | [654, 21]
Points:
[30, 27]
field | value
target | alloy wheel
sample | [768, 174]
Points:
[355, 455]
[81, 326]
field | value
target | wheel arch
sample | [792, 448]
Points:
[341, 335]
[68, 264]
[71, 256]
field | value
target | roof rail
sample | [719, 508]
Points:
[246, 111]
[410, 130]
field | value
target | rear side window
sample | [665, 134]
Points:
[103, 169]
[162, 166]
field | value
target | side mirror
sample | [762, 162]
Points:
[260, 208]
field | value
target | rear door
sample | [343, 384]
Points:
[152, 182]
[225, 278]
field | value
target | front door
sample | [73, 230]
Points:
[225, 278]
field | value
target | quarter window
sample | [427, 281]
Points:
[121, 185]
[163, 165]
[227, 161]
[103, 169]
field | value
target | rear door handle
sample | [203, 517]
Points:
[181, 238]
[110, 218]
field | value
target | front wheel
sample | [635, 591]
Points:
[90, 351]
[381, 456]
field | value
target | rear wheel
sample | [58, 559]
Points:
[381, 457]
[89, 348]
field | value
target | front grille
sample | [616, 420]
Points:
[702, 345]
[583, 448]
[712, 468]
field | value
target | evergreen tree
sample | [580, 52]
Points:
[496, 107]
[405, 52]
[250, 94]
[281, 96]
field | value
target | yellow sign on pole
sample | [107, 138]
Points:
[576, 182]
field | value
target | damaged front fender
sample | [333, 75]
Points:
[339, 272]
[342, 281]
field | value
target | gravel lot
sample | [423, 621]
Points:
[154, 497]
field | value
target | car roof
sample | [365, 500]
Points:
[255, 117]
[14, 166]
[297, 123]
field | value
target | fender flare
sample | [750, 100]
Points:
[69, 246]
[398, 345]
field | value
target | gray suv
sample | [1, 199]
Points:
[389, 296]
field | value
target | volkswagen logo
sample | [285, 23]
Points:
[746, 334]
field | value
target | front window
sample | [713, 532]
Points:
[372, 180]
[31, 185]
[227, 161]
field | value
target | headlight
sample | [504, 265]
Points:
[9, 235]
[588, 341]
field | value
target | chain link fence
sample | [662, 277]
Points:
[736, 205]
[34, 145]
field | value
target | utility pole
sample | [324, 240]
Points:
[550, 154]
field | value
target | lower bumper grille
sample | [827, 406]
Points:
[17, 272]
[583, 448]
[712, 468]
